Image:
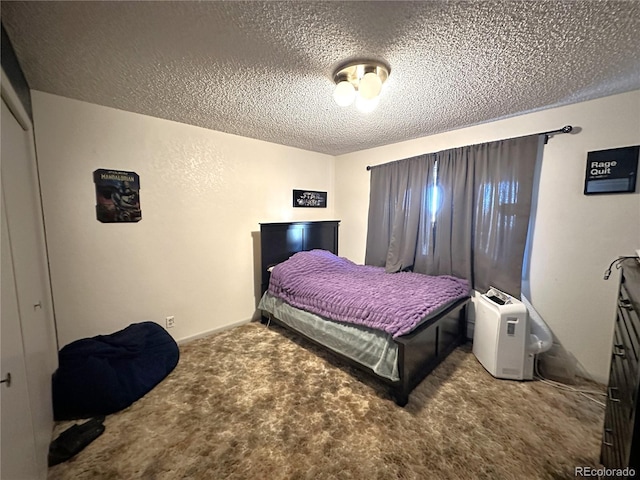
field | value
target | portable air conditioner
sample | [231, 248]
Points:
[501, 336]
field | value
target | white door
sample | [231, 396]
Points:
[17, 444]
[22, 219]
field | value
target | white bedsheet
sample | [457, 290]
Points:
[372, 348]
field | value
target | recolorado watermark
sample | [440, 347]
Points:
[604, 472]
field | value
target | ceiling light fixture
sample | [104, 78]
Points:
[361, 81]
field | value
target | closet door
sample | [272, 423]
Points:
[22, 220]
[17, 443]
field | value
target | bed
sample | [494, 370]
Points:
[400, 358]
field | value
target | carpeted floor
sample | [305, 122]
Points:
[252, 403]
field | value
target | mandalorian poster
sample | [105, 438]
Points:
[117, 196]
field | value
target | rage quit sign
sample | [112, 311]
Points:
[612, 171]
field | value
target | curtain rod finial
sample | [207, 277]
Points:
[567, 129]
[368, 168]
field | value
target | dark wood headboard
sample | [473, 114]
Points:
[278, 241]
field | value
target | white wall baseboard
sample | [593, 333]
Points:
[207, 333]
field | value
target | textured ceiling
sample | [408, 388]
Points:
[264, 69]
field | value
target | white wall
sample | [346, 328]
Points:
[203, 193]
[575, 237]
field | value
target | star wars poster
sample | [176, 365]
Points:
[117, 196]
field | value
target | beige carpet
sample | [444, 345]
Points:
[251, 403]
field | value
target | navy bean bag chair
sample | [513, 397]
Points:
[104, 374]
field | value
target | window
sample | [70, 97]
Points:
[433, 198]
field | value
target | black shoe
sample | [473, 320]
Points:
[74, 439]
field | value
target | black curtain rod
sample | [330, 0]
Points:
[565, 129]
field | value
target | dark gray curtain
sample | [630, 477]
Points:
[398, 202]
[474, 227]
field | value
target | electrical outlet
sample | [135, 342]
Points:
[170, 321]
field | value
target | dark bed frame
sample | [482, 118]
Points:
[419, 351]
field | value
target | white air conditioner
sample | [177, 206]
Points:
[502, 335]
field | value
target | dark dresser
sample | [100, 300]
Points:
[621, 436]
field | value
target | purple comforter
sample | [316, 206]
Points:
[334, 287]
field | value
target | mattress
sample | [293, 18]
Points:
[371, 348]
[334, 287]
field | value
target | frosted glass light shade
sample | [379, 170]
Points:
[344, 93]
[362, 80]
[367, 106]
[370, 86]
